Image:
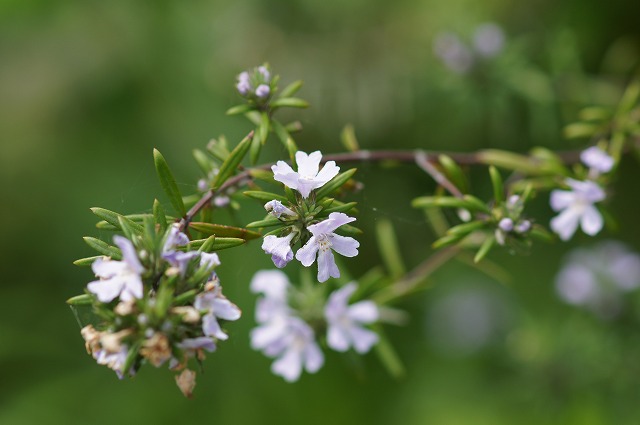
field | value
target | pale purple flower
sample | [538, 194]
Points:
[190, 345]
[345, 321]
[597, 277]
[307, 178]
[217, 306]
[279, 248]
[264, 71]
[277, 209]
[274, 285]
[221, 201]
[113, 360]
[453, 52]
[263, 91]
[118, 278]
[180, 259]
[295, 350]
[597, 160]
[488, 40]
[244, 85]
[577, 207]
[174, 238]
[506, 224]
[523, 227]
[209, 260]
[323, 241]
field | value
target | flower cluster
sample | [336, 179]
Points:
[321, 239]
[289, 335]
[511, 223]
[158, 306]
[255, 85]
[577, 205]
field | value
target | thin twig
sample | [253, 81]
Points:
[422, 160]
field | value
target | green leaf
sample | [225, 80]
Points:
[389, 248]
[256, 147]
[203, 160]
[349, 230]
[388, 356]
[448, 240]
[291, 102]
[340, 208]
[185, 297]
[335, 183]
[292, 148]
[468, 202]
[264, 175]
[224, 231]
[132, 355]
[280, 131]
[159, 216]
[291, 89]
[484, 248]
[239, 109]
[513, 161]
[113, 218]
[228, 167]
[496, 182]
[291, 195]
[218, 244]
[265, 196]
[263, 129]
[348, 138]
[629, 98]
[268, 222]
[580, 129]
[294, 127]
[127, 227]
[103, 247]
[87, 261]
[84, 299]
[466, 228]
[453, 172]
[168, 182]
[219, 148]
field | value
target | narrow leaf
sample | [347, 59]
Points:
[291, 89]
[454, 172]
[218, 148]
[268, 222]
[224, 231]
[484, 248]
[256, 147]
[228, 168]
[280, 131]
[85, 262]
[84, 299]
[389, 248]
[218, 244]
[291, 102]
[348, 138]
[159, 216]
[239, 109]
[388, 356]
[263, 128]
[113, 219]
[168, 182]
[265, 196]
[335, 183]
[103, 247]
[496, 182]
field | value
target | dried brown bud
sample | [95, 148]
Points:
[188, 313]
[186, 382]
[124, 308]
[156, 349]
[91, 338]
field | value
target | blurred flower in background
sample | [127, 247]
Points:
[598, 278]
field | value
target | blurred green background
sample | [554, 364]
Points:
[88, 88]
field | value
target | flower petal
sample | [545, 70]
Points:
[313, 357]
[211, 327]
[591, 221]
[105, 267]
[129, 254]
[364, 312]
[271, 283]
[225, 309]
[307, 254]
[334, 221]
[327, 266]
[329, 171]
[289, 365]
[345, 246]
[132, 288]
[337, 338]
[561, 199]
[106, 290]
[308, 165]
[337, 302]
[566, 223]
[363, 339]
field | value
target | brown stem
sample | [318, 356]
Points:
[423, 159]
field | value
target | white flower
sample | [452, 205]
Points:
[295, 350]
[217, 306]
[345, 321]
[174, 238]
[272, 310]
[577, 207]
[597, 160]
[323, 241]
[279, 248]
[307, 178]
[277, 208]
[118, 278]
[596, 278]
[209, 260]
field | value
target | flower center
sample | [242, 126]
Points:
[324, 242]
